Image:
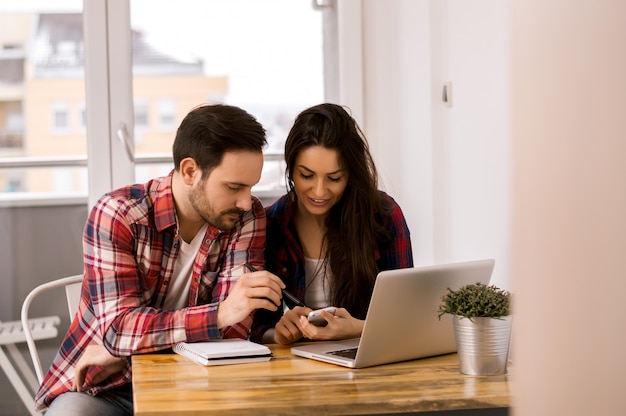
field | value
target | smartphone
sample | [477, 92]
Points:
[316, 318]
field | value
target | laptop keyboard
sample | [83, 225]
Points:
[347, 353]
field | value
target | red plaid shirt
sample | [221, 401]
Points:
[130, 245]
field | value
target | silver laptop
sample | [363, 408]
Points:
[402, 322]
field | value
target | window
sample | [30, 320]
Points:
[41, 92]
[239, 52]
[11, 135]
[141, 114]
[60, 118]
[15, 119]
[167, 115]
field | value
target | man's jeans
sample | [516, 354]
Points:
[115, 402]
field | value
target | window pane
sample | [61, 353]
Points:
[264, 56]
[42, 97]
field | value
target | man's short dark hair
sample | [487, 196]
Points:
[208, 131]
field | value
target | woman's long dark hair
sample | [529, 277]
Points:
[354, 227]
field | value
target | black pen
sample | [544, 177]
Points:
[285, 293]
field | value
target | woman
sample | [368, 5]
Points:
[333, 231]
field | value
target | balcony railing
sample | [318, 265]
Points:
[75, 161]
[269, 189]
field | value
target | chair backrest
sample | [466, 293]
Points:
[72, 293]
[72, 286]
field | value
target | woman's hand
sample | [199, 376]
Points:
[287, 330]
[341, 325]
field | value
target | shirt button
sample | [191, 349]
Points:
[166, 282]
[207, 241]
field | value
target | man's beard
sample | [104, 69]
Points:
[205, 211]
[224, 224]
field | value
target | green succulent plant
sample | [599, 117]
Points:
[476, 300]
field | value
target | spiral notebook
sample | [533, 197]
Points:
[223, 351]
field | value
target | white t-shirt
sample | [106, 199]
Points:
[178, 293]
[317, 287]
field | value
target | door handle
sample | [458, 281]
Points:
[122, 135]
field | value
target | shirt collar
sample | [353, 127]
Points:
[164, 208]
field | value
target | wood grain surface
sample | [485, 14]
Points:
[290, 385]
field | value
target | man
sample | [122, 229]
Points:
[164, 263]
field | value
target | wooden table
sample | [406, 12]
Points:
[288, 385]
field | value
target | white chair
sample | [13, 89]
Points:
[30, 330]
[21, 376]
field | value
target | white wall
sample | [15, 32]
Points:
[447, 167]
[478, 133]
[397, 114]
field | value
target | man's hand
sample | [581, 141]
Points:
[96, 355]
[252, 291]
[287, 330]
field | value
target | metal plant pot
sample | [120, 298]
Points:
[482, 344]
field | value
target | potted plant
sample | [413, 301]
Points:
[482, 327]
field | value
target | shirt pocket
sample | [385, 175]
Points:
[207, 283]
[149, 278]
[209, 278]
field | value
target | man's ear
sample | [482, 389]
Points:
[189, 170]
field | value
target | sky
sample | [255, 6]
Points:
[270, 57]
[276, 57]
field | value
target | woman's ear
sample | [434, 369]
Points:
[189, 170]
